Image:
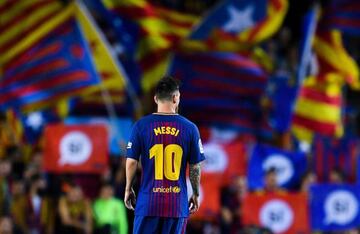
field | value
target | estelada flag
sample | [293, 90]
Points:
[75, 148]
[209, 198]
[280, 212]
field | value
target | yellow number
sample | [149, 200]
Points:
[168, 165]
[157, 151]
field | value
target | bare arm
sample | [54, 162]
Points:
[194, 174]
[131, 166]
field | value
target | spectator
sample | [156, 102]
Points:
[109, 212]
[270, 181]
[5, 171]
[307, 180]
[40, 215]
[18, 205]
[75, 212]
[336, 176]
[7, 226]
[231, 198]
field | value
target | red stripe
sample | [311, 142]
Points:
[51, 82]
[319, 153]
[351, 7]
[25, 33]
[199, 82]
[58, 96]
[238, 76]
[27, 56]
[237, 62]
[34, 71]
[222, 118]
[135, 12]
[315, 95]
[277, 4]
[26, 11]
[318, 126]
[344, 22]
[153, 58]
[7, 6]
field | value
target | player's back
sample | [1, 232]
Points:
[166, 144]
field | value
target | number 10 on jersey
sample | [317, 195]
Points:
[167, 161]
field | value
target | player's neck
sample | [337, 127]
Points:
[166, 109]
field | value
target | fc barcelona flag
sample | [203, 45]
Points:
[335, 207]
[281, 213]
[74, 149]
[289, 166]
[58, 66]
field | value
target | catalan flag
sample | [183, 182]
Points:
[56, 67]
[216, 84]
[237, 25]
[318, 107]
[343, 15]
[23, 23]
[111, 73]
[333, 57]
[159, 30]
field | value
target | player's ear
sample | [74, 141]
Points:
[155, 99]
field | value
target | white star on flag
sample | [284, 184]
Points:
[239, 20]
[34, 120]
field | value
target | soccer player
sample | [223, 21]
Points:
[166, 142]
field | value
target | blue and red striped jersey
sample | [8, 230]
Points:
[165, 144]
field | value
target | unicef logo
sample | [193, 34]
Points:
[283, 166]
[276, 215]
[216, 158]
[75, 148]
[341, 207]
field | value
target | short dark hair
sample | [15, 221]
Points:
[271, 170]
[166, 87]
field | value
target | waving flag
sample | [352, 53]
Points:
[343, 15]
[333, 57]
[335, 207]
[216, 84]
[330, 153]
[158, 31]
[319, 105]
[113, 80]
[56, 67]
[234, 25]
[289, 166]
[26, 22]
[281, 213]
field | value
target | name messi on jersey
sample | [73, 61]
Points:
[166, 130]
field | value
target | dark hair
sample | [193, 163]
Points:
[166, 87]
[271, 170]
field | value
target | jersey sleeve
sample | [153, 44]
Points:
[196, 150]
[133, 148]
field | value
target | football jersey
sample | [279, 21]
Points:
[164, 144]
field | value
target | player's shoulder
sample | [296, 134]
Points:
[188, 122]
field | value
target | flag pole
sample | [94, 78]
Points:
[104, 91]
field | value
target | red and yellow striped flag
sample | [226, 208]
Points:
[333, 57]
[160, 30]
[23, 23]
[318, 107]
